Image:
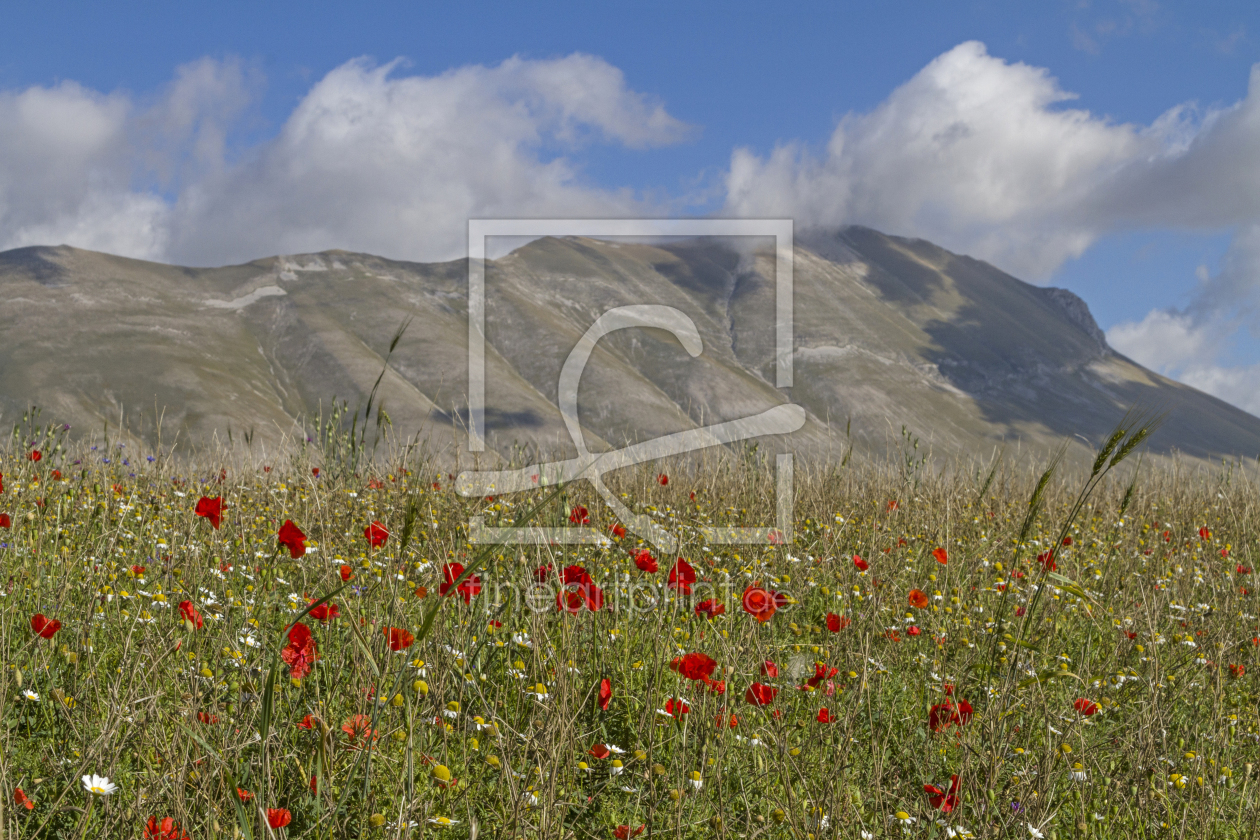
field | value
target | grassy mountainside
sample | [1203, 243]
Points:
[889, 333]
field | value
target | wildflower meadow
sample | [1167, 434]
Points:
[240, 645]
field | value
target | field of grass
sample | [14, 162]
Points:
[913, 629]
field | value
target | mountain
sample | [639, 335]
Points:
[889, 333]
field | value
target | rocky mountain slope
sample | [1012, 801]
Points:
[889, 332]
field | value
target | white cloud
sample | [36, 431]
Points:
[369, 160]
[972, 153]
[65, 171]
[982, 156]
[1238, 385]
[1185, 348]
[397, 165]
[1165, 341]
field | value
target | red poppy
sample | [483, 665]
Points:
[942, 715]
[600, 751]
[278, 817]
[211, 509]
[710, 608]
[836, 623]
[1243, 570]
[1237, 671]
[376, 534]
[244, 795]
[939, 799]
[569, 601]
[693, 666]
[164, 829]
[918, 599]
[676, 707]
[1046, 559]
[682, 576]
[292, 538]
[190, 614]
[605, 693]
[618, 531]
[314, 785]
[580, 515]
[450, 573]
[579, 590]
[137, 570]
[821, 672]
[1067, 540]
[941, 555]
[1204, 533]
[893, 504]
[1085, 707]
[574, 576]
[35, 455]
[22, 800]
[663, 479]
[861, 564]
[207, 718]
[760, 695]
[399, 638]
[721, 721]
[315, 471]
[913, 630]
[325, 611]
[1, 482]
[44, 627]
[300, 653]
[769, 669]
[307, 722]
[759, 603]
[624, 832]
[359, 731]
[645, 562]
[542, 572]
[5, 521]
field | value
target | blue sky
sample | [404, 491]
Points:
[156, 130]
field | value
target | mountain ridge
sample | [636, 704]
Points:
[889, 332]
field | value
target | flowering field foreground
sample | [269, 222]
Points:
[247, 652]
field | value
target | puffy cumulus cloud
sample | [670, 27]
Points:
[1189, 344]
[1238, 385]
[1166, 341]
[65, 172]
[396, 165]
[1187, 348]
[369, 160]
[973, 153]
[983, 156]
[93, 170]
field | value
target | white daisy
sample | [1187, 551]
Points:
[98, 785]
